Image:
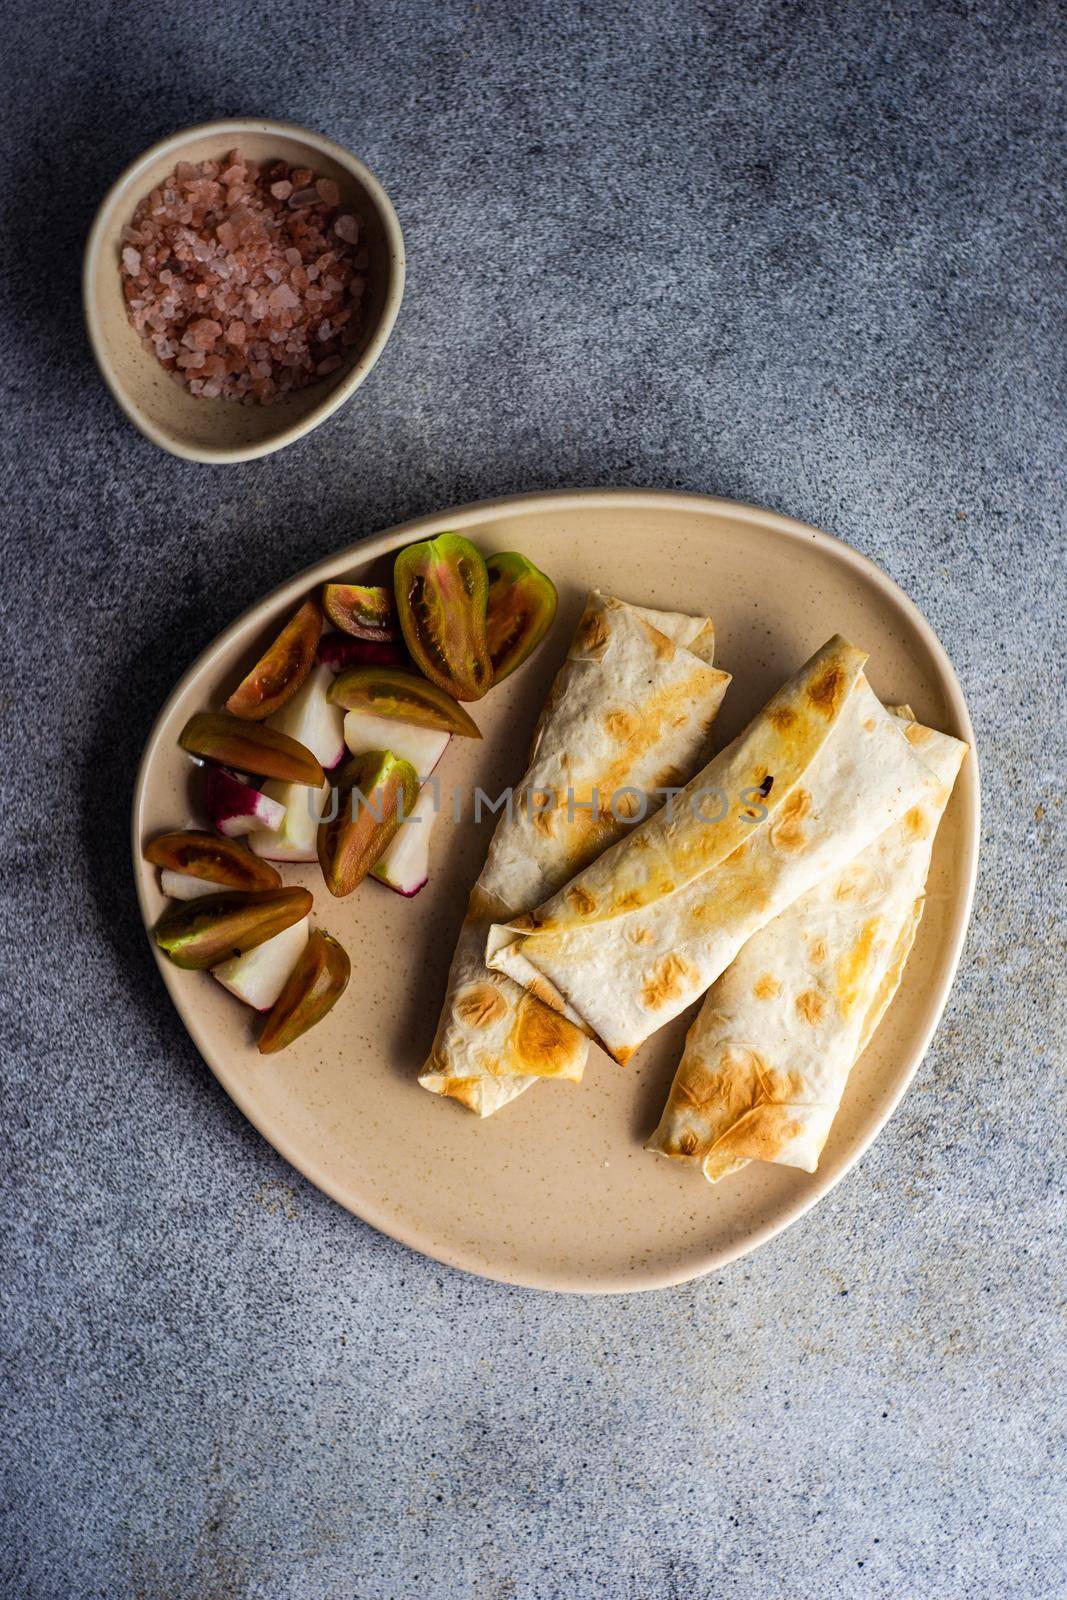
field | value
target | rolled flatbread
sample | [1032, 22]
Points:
[630, 711]
[818, 774]
[767, 1059]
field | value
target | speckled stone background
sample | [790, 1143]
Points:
[807, 255]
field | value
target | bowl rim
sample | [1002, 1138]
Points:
[118, 193]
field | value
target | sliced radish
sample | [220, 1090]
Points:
[310, 718]
[294, 840]
[235, 808]
[258, 977]
[183, 886]
[405, 865]
[423, 747]
[339, 650]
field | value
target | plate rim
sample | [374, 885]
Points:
[469, 515]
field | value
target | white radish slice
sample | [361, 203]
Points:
[295, 839]
[183, 886]
[235, 808]
[258, 977]
[310, 718]
[405, 865]
[423, 747]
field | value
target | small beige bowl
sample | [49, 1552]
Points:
[223, 430]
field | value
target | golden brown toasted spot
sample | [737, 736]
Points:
[915, 733]
[593, 635]
[829, 689]
[916, 824]
[544, 1042]
[767, 987]
[704, 913]
[796, 804]
[743, 885]
[542, 990]
[639, 935]
[868, 725]
[811, 1006]
[894, 971]
[761, 1135]
[620, 724]
[787, 833]
[542, 805]
[663, 647]
[582, 901]
[694, 1087]
[781, 718]
[817, 952]
[481, 1005]
[667, 980]
[782, 1088]
[745, 1107]
[624, 1053]
[630, 900]
[659, 712]
[853, 965]
[739, 1080]
[859, 884]
[465, 1090]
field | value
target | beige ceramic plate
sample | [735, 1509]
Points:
[555, 1191]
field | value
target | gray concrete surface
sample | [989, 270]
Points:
[807, 255]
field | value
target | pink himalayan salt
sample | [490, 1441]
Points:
[237, 291]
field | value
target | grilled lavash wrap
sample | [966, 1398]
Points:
[630, 710]
[767, 1059]
[818, 774]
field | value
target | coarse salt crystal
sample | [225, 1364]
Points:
[219, 276]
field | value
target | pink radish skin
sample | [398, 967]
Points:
[338, 651]
[295, 839]
[405, 865]
[235, 808]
